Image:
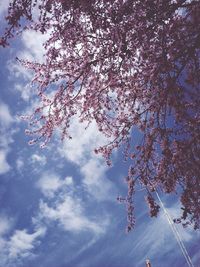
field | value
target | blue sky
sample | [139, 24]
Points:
[58, 205]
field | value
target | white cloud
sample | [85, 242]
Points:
[25, 90]
[5, 224]
[17, 245]
[3, 7]
[68, 180]
[19, 164]
[17, 71]
[32, 50]
[50, 183]
[80, 150]
[66, 208]
[22, 243]
[6, 120]
[4, 166]
[33, 44]
[82, 146]
[69, 213]
[6, 138]
[5, 116]
[35, 158]
[94, 172]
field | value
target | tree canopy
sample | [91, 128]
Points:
[127, 65]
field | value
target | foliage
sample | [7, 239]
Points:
[126, 64]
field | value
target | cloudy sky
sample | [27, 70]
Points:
[58, 204]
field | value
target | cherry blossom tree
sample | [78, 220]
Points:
[128, 65]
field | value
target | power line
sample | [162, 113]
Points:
[176, 233]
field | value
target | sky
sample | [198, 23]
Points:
[58, 205]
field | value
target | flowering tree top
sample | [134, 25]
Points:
[126, 65]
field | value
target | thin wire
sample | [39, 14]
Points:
[176, 233]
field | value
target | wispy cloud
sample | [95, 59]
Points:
[158, 234]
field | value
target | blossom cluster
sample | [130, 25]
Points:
[126, 65]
